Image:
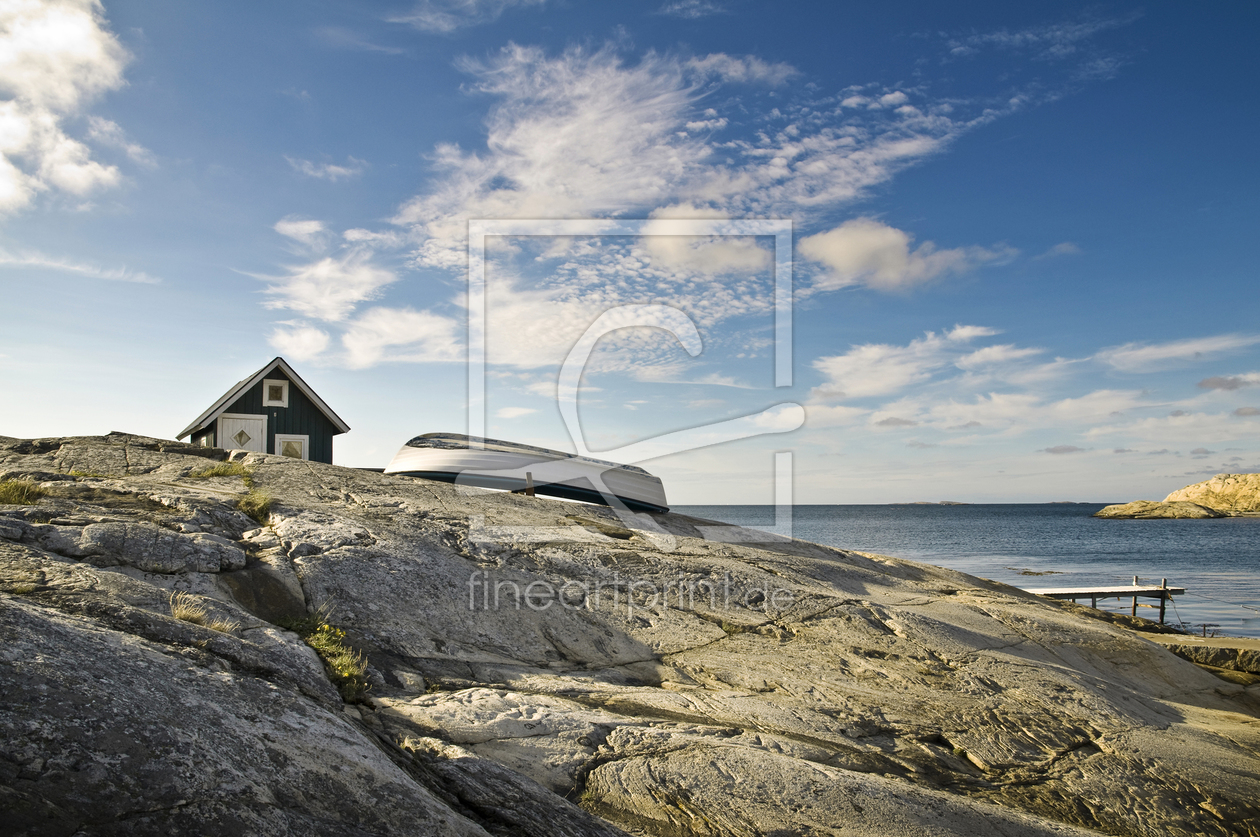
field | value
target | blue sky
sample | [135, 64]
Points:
[1024, 233]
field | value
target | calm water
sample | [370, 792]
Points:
[1217, 561]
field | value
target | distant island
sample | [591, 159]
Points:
[930, 503]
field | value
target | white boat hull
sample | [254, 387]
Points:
[512, 467]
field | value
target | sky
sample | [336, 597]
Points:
[1022, 241]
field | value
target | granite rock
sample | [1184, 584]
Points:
[1225, 495]
[541, 667]
[1234, 493]
[1149, 509]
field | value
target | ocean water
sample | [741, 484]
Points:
[1217, 561]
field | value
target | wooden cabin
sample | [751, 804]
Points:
[271, 411]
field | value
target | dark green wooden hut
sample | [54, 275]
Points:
[271, 411]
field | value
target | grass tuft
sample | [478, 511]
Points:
[220, 469]
[224, 626]
[257, 505]
[24, 588]
[19, 492]
[346, 667]
[186, 608]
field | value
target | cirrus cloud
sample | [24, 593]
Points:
[1150, 357]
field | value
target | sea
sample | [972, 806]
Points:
[1051, 545]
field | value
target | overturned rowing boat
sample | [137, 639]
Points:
[490, 463]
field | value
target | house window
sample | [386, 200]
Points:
[297, 447]
[275, 393]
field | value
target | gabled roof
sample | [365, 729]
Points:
[244, 386]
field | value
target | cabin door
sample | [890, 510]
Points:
[242, 432]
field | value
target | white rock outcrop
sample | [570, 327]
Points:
[1225, 495]
[1234, 493]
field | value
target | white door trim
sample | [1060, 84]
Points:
[257, 443]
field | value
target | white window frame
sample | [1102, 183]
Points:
[281, 438]
[267, 385]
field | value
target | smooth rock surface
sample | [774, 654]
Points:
[673, 676]
[1224, 495]
[1236, 493]
[1149, 509]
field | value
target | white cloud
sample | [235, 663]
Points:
[994, 356]
[868, 252]
[55, 58]
[401, 334]
[40, 260]
[691, 9]
[330, 288]
[1065, 248]
[306, 231]
[700, 254]
[575, 136]
[1150, 357]
[1008, 411]
[513, 412]
[385, 239]
[107, 132]
[443, 16]
[546, 388]
[1179, 428]
[879, 368]
[342, 38]
[1051, 41]
[328, 171]
[584, 135]
[742, 69]
[299, 342]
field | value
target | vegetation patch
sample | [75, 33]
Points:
[20, 492]
[257, 505]
[346, 667]
[220, 469]
[186, 608]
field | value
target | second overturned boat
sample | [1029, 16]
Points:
[490, 463]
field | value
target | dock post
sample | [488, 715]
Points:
[1163, 598]
[529, 484]
[1135, 584]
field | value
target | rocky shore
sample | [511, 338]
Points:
[1225, 495]
[536, 667]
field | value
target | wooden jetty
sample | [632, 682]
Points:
[1163, 592]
